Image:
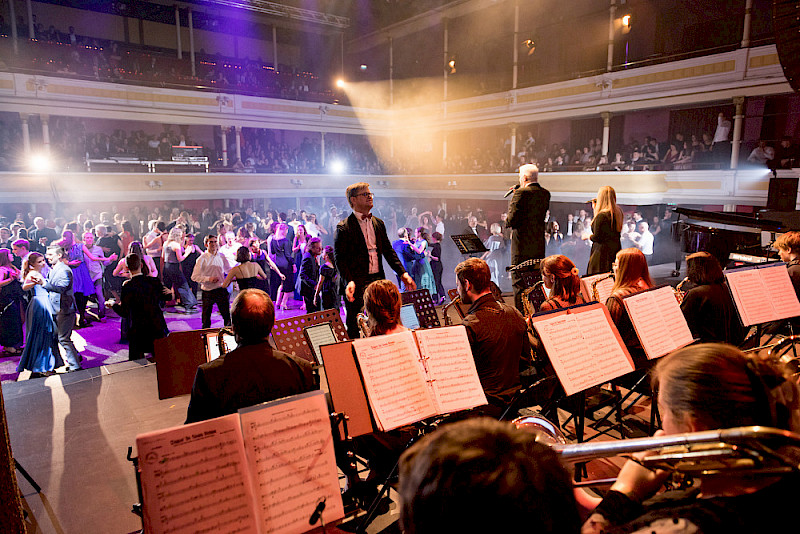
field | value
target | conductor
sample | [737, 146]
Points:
[360, 243]
[526, 213]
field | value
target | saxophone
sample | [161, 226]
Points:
[679, 295]
[595, 291]
[363, 325]
[447, 321]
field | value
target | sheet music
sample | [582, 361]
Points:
[751, 295]
[584, 347]
[658, 321]
[603, 287]
[781, 291]
[318, 335]
[451, 368]
[290, 449]
[196, 475]
[394, 379]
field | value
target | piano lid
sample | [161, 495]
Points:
[732, 219]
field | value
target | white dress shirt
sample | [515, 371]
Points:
[210, 267]
[372, 243]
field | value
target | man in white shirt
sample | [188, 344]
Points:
[209, 272]
[644, 240]
[721, 146]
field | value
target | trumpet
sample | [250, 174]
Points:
[781, 352]
[447, 320]
[595, 291]
[755, 450]
[363, 324]
[679, 295]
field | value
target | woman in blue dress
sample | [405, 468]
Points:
[424, 270]
[41, 355]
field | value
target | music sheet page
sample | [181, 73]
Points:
[603, 287]
[290, 449]
[658, 321]
[750, 296]
[196, 477]
[584, 347]
[394, 379]
[451, 368]
[781, 291]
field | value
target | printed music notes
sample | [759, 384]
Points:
[196, 474]
[763, 293]
[583, 346]
[604, 284]
[262, 470]
[658, 321]
[414, 375]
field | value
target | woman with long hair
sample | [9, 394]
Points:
[631, 276]
[606, 228]
[709, 387]
[10, 305]
[148, 265]
[298, 249]
[423, 270]
[281, 250]
[382, 302]
[561, 278]
[328, 284]
[173, 255]
[41, 354]
[82, 284]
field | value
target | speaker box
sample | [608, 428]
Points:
[787, 38]
[782, 195]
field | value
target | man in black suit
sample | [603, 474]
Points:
[252, 373]
[139, 301]
[526, 213]
[360, 243]
[408, 257]
[309, 273]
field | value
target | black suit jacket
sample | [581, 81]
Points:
[140, 297]
[246, 376]
[352, 257]
[309, 275]
[526, 213]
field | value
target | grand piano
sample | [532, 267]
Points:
[722, 234]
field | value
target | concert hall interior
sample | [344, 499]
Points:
[145, 127]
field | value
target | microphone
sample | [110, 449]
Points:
[511, 191]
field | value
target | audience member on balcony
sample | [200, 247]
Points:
[721, 146]
[762, 154]
[786, 155]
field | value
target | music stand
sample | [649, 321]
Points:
[469, 244]
[423, 306]
[177, 357]
[288, 333]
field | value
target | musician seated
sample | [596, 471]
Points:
[252, 373]
[631, 276]
[788, 246]
[560, 277]
[497, 335]
[382, 302]
[482, 476]
[708, 387]
[708, 307]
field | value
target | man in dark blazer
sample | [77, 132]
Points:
[309, 273]
[359, 245]
[526, 213]
[139, 301]
[408, 257]
[253, 372]
[59, 285]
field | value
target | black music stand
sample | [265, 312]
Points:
[423, 307]
[289, 337]
[469, 244]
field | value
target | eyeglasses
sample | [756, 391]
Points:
[367, 195]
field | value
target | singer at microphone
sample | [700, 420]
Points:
[508, 193]
[526, 213]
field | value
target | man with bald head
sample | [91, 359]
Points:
[526, 213]
[253, 372]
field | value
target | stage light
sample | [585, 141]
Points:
[530, 45]
[363, 67]
[451, 65]
[338, 167]
[626, 20]
[340, 83]
[40, 163]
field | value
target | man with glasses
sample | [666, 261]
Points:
[360, 243]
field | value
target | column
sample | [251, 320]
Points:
[444, 147]
[446, 58]
[239, 143]
[515, 68]
[26, 133]
[748, 14]
[178, 31]
[191, 42]
[45, 132]
[31, 30]
[225, 130]
[606, 130]
[738, 117]
[322, 149]
[13, 15]
[513, 144]
[391, 72]
[612, 12]
[275, 47]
